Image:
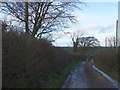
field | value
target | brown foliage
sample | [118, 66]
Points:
[27, 61]
[106, 59]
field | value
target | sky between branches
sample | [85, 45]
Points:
[96, 19]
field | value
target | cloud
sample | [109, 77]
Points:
[108, 28]
[63, 42]
[101, 0]
[92, 28]
[96, 30]
[2, 16]
[94, 21]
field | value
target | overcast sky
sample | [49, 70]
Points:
[97, 19]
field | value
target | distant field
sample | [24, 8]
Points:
[68, 49]
[90, 50]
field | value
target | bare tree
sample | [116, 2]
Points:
[26, 17]
[106, 42]
[88, 42]
[111, 41]
[3, 26]
[85, 43]
[7, 26]
[41, 17]
[75, 39]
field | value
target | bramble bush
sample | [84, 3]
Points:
[28, 61]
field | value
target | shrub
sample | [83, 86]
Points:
[27, 61]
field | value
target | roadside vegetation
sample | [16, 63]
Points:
[29, 62]
[29, 59]
[58, 78]
[106, 60]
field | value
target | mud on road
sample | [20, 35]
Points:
[84, 75]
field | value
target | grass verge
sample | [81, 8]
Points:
[107, 61]
[57, 79]
[110, 72]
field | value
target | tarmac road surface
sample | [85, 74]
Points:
[84, 75]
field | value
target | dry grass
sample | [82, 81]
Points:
[106, 60]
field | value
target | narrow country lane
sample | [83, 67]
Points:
[84, 75]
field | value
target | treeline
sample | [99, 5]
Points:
[29, 62]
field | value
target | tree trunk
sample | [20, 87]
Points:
[26, 17]
[74, 46]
